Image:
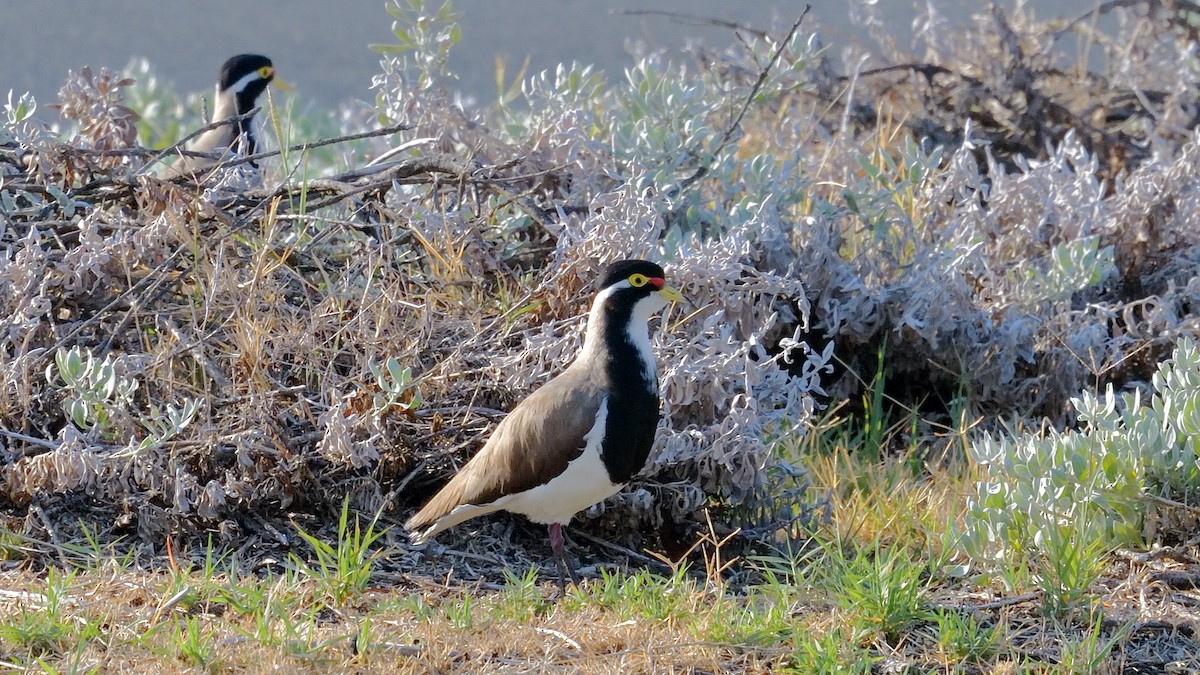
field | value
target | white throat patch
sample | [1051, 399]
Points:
[638, 330]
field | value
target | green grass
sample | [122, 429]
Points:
[882, 590]
[196, 645]
[962, 638]
[343, 569]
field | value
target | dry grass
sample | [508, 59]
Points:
[814, 611]
[139, 623]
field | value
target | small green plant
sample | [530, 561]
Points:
[1054, 504]
[875, 417]
[247, 596]
[424, 38]
[459, 614]
[16, 112]
[94, 391]
[412, 603]
[1088, 652]
[270, 611]
[12, 547]
[1164, 429]
[521, 598]
[961, 638]
[765, 616]
[364, 638]
[1071, 561]
[642, 594]
[396, 387]
[32, 630]
[196, 646]
[341, 571]
[883, 589]
[39, 626]
[96, 396]
[833, 653]
[1070, 267]
[167, 422]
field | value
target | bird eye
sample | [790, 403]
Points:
[265, 72]
[638, 280]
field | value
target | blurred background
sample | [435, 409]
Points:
[322, 48]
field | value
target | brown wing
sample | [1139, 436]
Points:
[533, 444]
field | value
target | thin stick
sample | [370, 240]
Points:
[176, 149]
[737, 121]
[28, 439]
[695, 20]
[384, 131]
[52, 533]
[620, 549]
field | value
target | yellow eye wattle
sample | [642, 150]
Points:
[266, 72]
[638, 280]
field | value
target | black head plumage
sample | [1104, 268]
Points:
[623, 269]
[246, 76]
[237, 67]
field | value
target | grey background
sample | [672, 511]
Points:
[321, 46]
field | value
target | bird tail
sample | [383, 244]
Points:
[421, 537]
[434, 518]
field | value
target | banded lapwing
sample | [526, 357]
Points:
[242, 80]
[579, 438]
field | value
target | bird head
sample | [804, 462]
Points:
[245, 77]
[640, 284]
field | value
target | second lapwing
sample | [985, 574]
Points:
[242, 80]
[579, 438]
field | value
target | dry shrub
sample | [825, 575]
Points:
[1008, 242]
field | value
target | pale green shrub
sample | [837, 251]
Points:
[1057, 501]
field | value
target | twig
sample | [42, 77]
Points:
[620, 549]
[391, 494]
[398, 171]
[176, 148]
[234, 161]
[51, 532]
[300, 147]
[1002, 602]
[282, 391]
[28, 439]
[926, 69]
[1177, 580]
[1163, 501]
[170, 603]
[737, 120]
[1173, 553]
[401, 649]
[491, 560]
[459, 409]
[559, 635]
[695, 20]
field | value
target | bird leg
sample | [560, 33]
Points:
[564, 569]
